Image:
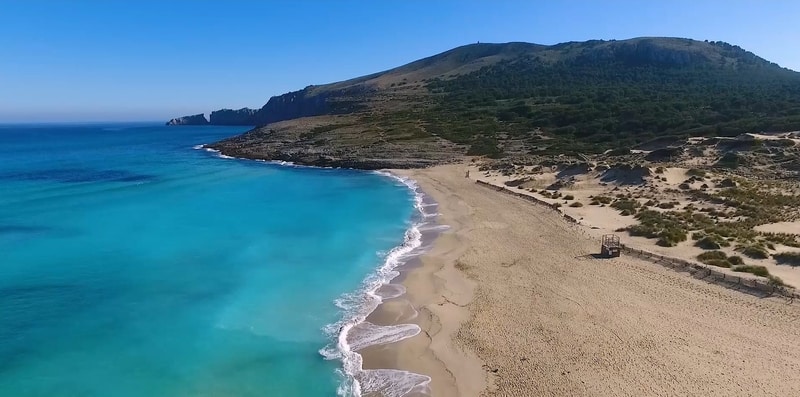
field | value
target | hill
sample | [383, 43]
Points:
[521, 98]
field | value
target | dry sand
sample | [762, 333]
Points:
[513, 304]
[599, 220]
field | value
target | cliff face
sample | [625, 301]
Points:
[197, 119]
[243, 116]
[291, 106]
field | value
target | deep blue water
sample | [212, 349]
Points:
[134, 265]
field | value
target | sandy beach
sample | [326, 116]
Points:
[512, 303]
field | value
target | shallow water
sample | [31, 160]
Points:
[134, 265]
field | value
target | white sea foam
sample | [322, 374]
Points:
[389, 291]
[215, 151]
[368, 334]
[353, 332]
[393, 382]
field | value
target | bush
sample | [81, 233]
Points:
[602, 199]
[757, 270]
[569, 197]
[626, 205]
[643, 230]
[775, 280]
[753, 251]
[576, 204]
[788, 258]
[786, 239]
[666, 206]
[718, 263]
[696, 172]
[707, 243]
[711, 255]
[671, 237]
[736, 260]
[711, 242]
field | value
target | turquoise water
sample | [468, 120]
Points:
[132, 264]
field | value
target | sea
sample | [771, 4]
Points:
[134, 262]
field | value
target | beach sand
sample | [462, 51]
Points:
[512, 303]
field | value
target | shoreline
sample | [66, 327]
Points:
[438, 293]
[511, 302]
[379, 313]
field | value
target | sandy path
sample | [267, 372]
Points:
[547, 319]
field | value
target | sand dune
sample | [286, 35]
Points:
[513, 304]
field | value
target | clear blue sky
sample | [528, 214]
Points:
[152, 60]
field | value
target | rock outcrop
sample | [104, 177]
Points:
[292, 105]
[197, 119]
[243, 116]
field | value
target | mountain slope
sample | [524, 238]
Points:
[518, 98]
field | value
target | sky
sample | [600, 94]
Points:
[148, 60]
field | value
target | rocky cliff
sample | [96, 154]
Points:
[197, 119]
[292, 105]
[243, 116]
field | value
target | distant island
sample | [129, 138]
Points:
[512, 99]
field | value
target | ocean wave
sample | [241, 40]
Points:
[353, 333]
[394, 382]
[219, 154]
[368, 334]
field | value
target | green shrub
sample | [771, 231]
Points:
[775, 280]
[710, 255]
[666, 206]
[603, 199]
[696, 172]
[789, 240]
[576, 204]
[718, 263]
[753, 251]
[736, 260]
[757, 270]
[626, 205]
[711, 242]
[788, 258]
[671, 237]
[707, 243]
[569, 197]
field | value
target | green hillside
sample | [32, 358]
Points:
[521, 98]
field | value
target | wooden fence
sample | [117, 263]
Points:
[698, 270]
[529, 198]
